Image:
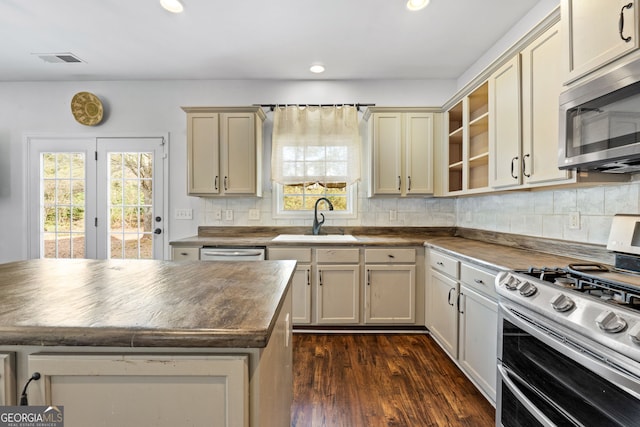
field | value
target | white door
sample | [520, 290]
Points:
[130, 221]
[74, 211]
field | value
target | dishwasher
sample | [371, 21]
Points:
[232, 254]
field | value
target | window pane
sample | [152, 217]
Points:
[130, 208]
[303, 197]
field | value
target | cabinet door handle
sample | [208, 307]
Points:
[621, 22]
[409, 183]
[458, 303]
[512, 167]
[215, 182]
[524, 166]
[449, 297]
[368, 277]
[320, 277]
[308, 277]
[399, 182]
[225, 183]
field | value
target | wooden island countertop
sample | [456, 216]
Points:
[141, 303]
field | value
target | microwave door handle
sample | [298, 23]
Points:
[504, 376]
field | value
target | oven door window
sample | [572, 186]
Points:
[565, 392]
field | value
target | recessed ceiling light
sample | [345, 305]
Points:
[417, 4]
[317, 68]
[173, 6]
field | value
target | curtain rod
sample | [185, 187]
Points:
[273, 106]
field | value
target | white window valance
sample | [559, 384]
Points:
[315, 144]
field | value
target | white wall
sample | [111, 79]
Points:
[153, 108]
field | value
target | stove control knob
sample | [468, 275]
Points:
[610, 322]
[511, 283]
[527, 289]
[562, 303]
[634, 333]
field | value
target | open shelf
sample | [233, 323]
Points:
[468, 142]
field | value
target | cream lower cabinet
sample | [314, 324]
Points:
[442, 313]
[301, 282]
[462, 317]
[338, 286]
[224, 151]
[185, 253]
[478, 327]
[7, 379]
[143, 390]
[390, 286]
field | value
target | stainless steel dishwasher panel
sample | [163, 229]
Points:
[232, 254]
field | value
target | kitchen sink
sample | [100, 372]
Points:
[329, 238]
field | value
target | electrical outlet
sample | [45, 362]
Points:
[574, 220]
[228, 215]
[393, 215]
[254, 214]
[184, 214]
[217, 214]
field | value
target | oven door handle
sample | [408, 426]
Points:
[513, 387]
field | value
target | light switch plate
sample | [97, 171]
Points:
[228, 215]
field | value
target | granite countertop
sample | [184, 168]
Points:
[493, 250]
[141, 303]
[496, 256]
[263, 236]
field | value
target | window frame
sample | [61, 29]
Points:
[279, 213]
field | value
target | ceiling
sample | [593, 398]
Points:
[250, 39]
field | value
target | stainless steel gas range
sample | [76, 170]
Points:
[569, 340]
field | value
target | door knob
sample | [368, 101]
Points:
[157, 231]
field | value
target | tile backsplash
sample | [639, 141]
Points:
[539, 213]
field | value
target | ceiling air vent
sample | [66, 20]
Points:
[59, 58]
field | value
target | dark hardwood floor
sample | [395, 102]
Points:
[370, 380]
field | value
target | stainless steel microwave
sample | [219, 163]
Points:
[600, 123]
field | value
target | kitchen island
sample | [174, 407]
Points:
[150, 343]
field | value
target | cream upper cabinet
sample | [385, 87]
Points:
[224, 150]
[401, 156]
[541, 86]
[523, 123]
[597, 32]
[505, 156]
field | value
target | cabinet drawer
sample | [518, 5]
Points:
[298, 254]
[479, 280]
[339, 255]
[446, 264]
[185, 254]
[390, 256]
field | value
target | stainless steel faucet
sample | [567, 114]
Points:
[317, 224]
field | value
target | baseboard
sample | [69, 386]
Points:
[327, 329]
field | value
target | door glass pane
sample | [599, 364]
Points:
[62, 223]
[130, 205]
